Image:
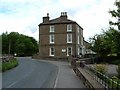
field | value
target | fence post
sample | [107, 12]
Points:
[95, 74]
[112, 84]
[117, 87]
[105, 81]
[73, 63]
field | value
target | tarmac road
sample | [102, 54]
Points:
[30, 74]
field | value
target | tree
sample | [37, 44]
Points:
[112, 37]
[26, 46]
[5, 43]
[20, 44]
[116, 14]
[99, 45]
[109, 41]
[12, 38]
[106, 43]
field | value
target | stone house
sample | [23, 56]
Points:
[60, 37]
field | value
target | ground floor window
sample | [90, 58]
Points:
[52, 51]
[69, 51]
[79, 51]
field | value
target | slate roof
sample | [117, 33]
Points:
[59, 21]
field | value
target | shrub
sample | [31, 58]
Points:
[101, 68]
[115, 79]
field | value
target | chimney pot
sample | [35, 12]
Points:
[65, 13]
[47, 14]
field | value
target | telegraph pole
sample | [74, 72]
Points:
[9, 46]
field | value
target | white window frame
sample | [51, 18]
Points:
[82, 32]
[69, 28]
[51, 51]
[78, 29]
[68, 50]
[52, 38]
[52, 28]
[69, 39]
[81, 40]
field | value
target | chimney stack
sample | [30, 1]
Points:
[46, 19]
[63, 16]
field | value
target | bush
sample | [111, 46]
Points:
[115, 79]
[101, 68]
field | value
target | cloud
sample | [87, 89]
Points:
[95, 18]
[23, 16]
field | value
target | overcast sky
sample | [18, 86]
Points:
[23, 16]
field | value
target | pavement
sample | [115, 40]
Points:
[66, 77]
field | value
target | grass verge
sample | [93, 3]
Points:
[9, 65]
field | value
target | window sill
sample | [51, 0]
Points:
[52, 55]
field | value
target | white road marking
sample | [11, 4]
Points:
[55, 85]
[11, 84]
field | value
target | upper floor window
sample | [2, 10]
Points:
[52, 51]
[69, 38]
[52, 28]
[78, 40]
[52, 38]
[69, 28]
[81, 32]
[78, 29]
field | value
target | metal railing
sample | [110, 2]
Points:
[107, 82]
